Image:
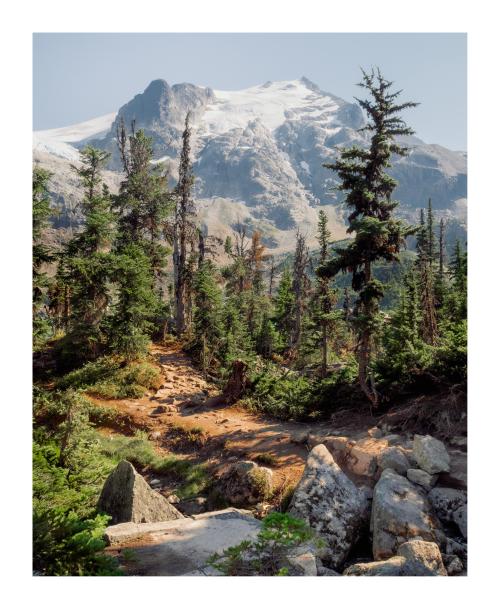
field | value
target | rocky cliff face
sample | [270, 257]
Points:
[258, 154]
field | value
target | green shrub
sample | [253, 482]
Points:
[113, 378]
[266, 459]
[63, 544]
[285, 395]
[268, 555]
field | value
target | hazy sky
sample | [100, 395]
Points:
[80, 76]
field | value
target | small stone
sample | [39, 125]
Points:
[375, 432]
[305, 563]
[159, 410]
[431, 454]
[418, 476]
[190, 507]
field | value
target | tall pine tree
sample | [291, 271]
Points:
[377, 234]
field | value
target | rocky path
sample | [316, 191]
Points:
[218, 434]
[177, 421]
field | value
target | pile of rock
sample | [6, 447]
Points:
[416, 528]
[416, 525]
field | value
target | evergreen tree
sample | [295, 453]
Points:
[378, 235]
[324, 296]
[300, 285]
[132, 320]
[284, 306]
[430, 238]
[144, 202]
[257, 301]
[183, 231]
[208, 328]
[425, 264]
[85, 267]
[456, 305]
[143, 206]
[41, 254]
[440, 283]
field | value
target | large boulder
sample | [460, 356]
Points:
[127, 497]
[431, 454]
[330, 504]
[399, 513]
[414, 558]
[451, 506]
[245, 483]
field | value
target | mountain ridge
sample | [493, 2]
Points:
[258, 154]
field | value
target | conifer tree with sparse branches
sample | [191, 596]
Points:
[378, 235]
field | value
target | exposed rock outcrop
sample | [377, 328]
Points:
[180, 547]
[330, 504]
[127, 497]
[399, 513]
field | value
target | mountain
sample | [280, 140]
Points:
[258, 155]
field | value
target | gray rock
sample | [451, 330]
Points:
[245, 483]
[181, 547]
[453, 564]
[415, 558]
[422, 478]
[431, 454]
[197, 505]
[390, 567]
[375, 432]
[457, 476]
[127, 497]
[453, 546]
[304, 564]
[330, 504]
[451, 506]
[394, 458]
[400, 512]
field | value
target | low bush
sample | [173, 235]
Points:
[113, 378]
[266, 459]
[64, 544]
[268, 555]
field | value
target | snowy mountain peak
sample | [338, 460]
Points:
[259, 153]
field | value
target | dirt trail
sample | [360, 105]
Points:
[218, 434]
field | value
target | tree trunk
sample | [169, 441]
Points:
[364, 354]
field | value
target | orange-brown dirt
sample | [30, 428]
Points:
[219, 432]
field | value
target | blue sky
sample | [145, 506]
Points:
[80, 76]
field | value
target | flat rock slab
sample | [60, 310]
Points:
[179, 547]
